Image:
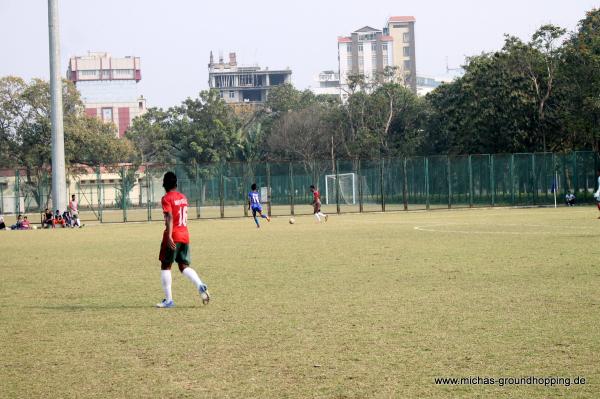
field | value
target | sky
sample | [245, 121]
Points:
[174, 37]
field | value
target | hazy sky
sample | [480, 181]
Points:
[174, 37]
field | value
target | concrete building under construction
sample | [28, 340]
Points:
[244, 84]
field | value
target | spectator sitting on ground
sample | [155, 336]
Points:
[58, 219]
[67, 218]
[48, 219]
[570, 199]
[18, 224]
[25, 225]
[2, 224]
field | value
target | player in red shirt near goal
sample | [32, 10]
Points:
[316, 203]
[175, 246]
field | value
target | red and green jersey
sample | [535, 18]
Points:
[176, 203]
[316, 196]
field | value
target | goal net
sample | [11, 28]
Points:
[348, 183]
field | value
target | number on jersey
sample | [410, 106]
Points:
[183, 216]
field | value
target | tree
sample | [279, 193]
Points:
[538, 60]
[303, 135]
[149, 135]
[26, 134]
[580, 69]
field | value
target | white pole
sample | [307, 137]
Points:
[59, 184]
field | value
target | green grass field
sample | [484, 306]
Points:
[365, 306]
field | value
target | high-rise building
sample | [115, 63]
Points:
[244, 84]
[368, 51]
[402, 31]
[108, 87]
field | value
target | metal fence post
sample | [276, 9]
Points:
[268, 167]
[492, 180]
[449, 181]
[471, 190]
[575, 182]
[291, 186]
[427, 204]
[404, 185]
[199, 191]
[360, 186]
[124, 194]
[337, 187]
[148, 203]
[18, 193]
[99, 192]
[512, 180]
[221, 190]
[381, 183]
[533, 180]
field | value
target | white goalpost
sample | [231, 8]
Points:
[348, 188]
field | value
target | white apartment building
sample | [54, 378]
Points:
[368, 51]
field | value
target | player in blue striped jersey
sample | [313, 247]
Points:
[254, 205]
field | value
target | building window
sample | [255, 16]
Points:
[384, 46]
[373, 47]
[406, 37]
[406, 51]
[140, 105]
[107, 114]
[349, 48]
[232, 94]
[350, 63]
[105, 74]
[407, 65]
[360, 48]
[88, 72]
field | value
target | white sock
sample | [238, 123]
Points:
[317, 217]
[78, 222]
[193, 276]
[321, 214]
[165, 279]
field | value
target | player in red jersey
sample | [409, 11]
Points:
[175, 246]
[316, 203]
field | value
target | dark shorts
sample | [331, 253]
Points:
[256, 209]
[180, 255]
[317, 207]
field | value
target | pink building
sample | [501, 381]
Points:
[108, 87]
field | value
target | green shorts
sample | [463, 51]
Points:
[179, 255]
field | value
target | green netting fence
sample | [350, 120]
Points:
[126, 193]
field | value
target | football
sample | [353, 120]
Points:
[292, 220]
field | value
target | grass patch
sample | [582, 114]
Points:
[367, 305]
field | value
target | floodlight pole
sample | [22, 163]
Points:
[59, 184]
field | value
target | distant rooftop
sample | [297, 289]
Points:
[402, 19]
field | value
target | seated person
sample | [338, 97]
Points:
[25, 225]
[570, 199]
[18, 224]
[58, 219]
[67, 218]
[47, 219]
[2, 224]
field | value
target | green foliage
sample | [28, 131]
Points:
[25, 132]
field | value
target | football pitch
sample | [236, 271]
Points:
[363, 306]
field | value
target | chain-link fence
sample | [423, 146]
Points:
[126, 193]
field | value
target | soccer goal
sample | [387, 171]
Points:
[348, 188]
